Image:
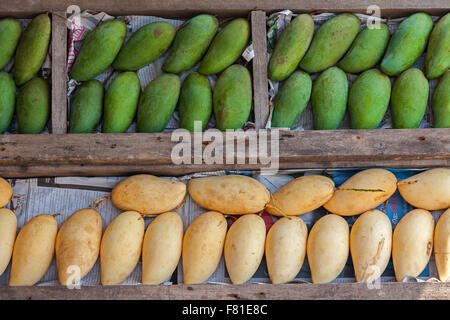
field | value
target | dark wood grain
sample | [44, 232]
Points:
[110, 154]
[345, 291]
[59, 84]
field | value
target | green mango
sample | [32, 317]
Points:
[291, 100]
[157, 103]
[226, 48]
[145, 46]
[191, 43]
[407, 44]
[232, 98]
[98, 50]
[331, 42]
[10, 31]
[32, 49]
[86, 107]
[368, 99]
[440, 102]
[7, 100]
[409, 99]
[437, 60]
[195, 102]
[366, 50]
[291, 47]
[121, 101]
[329, 99]
[33, 106]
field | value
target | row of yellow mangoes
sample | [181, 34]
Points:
[80, 240]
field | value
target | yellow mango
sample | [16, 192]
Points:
[203, 247]
[232, 194]
[8, 229]
[442, 246]
[286, 249]
[5, 192]
[147, 194]
[244, 247]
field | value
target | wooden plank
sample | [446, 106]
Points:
[185, 8]
[345, 291]
[260, 88]
[109, 154]
[59, 83]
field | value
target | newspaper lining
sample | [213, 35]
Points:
[277, 22]
[66, 195]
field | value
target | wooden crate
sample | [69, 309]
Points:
[59, 153]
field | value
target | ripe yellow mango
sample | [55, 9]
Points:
[33, 250]
[8, 229]
[428, 190]
[6, 192]
[327, 248]
[78, 244]
[121, 245]
[232, 194]
[412, 243]
[362, 192]
[244, 247]
[161, 250]
[148, 194]
[286, 249]
[442, 246]
[301, 195]
[370, 245]
[203, 247]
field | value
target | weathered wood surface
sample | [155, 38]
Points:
[260, 89]
[59, 84]
[172, 8]
[110, 154]
[346, 291]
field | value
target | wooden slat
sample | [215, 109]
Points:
[260, 88]
[59, 85]
[184, 8]
[109, 154]
[345, 291]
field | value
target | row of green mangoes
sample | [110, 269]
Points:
[231, 101]
[338, 38]
[79, 241]
[196, 39]
[30, 47]
[367, 99]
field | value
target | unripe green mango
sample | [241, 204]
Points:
[157, 103]
[195, 101]
[409, 99]
[368, 99]
[437, 60]
[7, 100]
[33, 106]
[291, 47]
[331, 42]
[232, 98]
[329, 99]
[407, 43]
[226, 47]
[98, 50]
[145, 46]
[191, 43]
[32, 49]
[366, 50]
[86, 107]
[121, 101]
[291, 100]
[440, 102]
[10, 31]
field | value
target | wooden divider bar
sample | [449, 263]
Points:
[59, 83]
